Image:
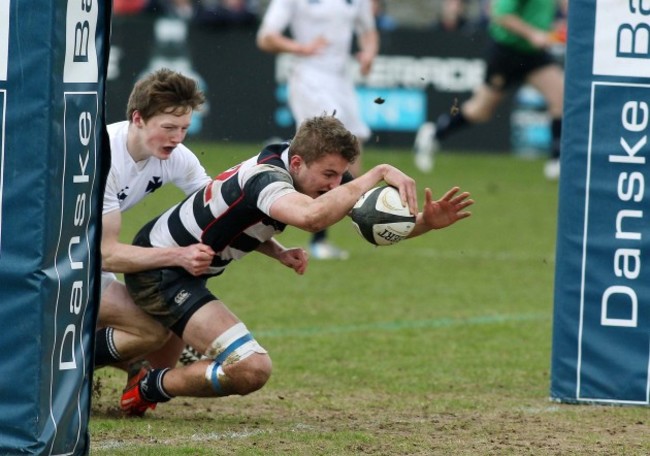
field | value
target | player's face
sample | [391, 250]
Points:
[320, 176]
[163, 132]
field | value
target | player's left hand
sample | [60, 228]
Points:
[447, 210]
[541, 39]
[405, 185]
[295, 258]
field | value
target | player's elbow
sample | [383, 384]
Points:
[108, 264]
[106, 257]
[315, 222]
[110, 258]
[315, 228]
[303, 212]
[263, 42]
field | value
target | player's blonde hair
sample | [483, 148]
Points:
[324, 135]
[164, 92]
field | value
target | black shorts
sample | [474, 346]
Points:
[507, 67]
[169, 295]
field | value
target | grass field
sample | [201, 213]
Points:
[437, 346]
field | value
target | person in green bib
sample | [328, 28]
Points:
[521, 33]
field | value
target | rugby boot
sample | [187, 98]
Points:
[132, 403]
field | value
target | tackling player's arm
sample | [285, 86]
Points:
[125, 258]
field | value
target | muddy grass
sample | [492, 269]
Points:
[366, 423]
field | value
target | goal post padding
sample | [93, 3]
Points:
[601, 323]
[54, 158]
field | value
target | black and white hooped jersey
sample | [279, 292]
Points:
[231, 214]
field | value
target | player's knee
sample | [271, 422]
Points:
[241, 377]
[251, 374]
[555, 109]
[257, 373]
[480, 116]
[241, 366]
[479, 110]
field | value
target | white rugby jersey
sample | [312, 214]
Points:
[129, 182]
[335, 20]
[231, 214]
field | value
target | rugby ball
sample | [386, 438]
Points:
[380, 218]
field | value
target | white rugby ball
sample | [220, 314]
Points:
[380, 218]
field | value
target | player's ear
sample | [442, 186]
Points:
[136, 118]
[295, 162]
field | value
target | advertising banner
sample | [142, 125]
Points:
[53, 160]
[418, 75]
[601, 335]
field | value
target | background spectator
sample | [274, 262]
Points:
[129, 7]
[453, 15]
[227, 12]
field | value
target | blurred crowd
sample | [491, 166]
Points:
[438, 14]
[217, 12]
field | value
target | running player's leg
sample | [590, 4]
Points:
[477, 109]
[549, 81]
[481, 106]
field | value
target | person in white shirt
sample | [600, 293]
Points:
[146, 153]
[322, 34]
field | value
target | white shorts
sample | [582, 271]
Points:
[107, 279]
[313, 93]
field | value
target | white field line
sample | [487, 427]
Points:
[214, 436]
[478, 255]
[405, 324]
[108, 445]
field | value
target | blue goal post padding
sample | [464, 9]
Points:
[601, 325]
[53, 161]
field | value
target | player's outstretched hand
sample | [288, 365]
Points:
[295, 258]
[447, 210]
[196, 258]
